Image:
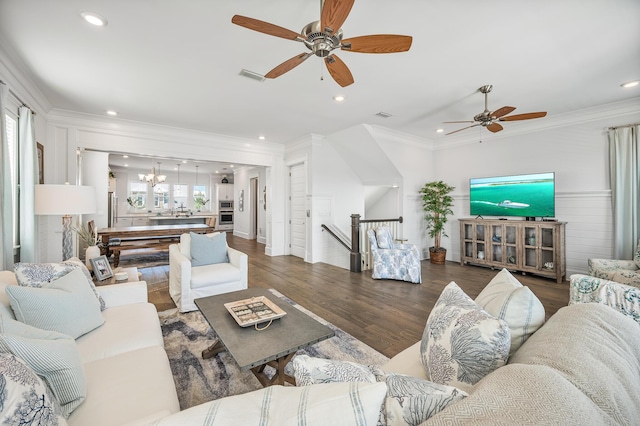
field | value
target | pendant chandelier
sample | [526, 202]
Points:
[152, 177]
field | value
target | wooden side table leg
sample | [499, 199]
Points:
[213, 350]
[116, 258]
[280, 377]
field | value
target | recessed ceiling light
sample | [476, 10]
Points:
[338, 98]
[217, 172]
[439, 130]
[261, 138]
[111, 112]
[125, 156]
[126, 165]
[184, 161]
[231, 165]
[630, 84]
[94, 19]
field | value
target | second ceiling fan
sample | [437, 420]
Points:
[490, 119]
[323, 36]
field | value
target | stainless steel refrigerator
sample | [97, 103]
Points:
[112, 210]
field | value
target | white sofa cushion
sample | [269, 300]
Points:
[323, 404]
[127, 387]
[505, 298]
[407, 362]
[7, 278]
[461, 342]
[52, 356]
[66, 305]
[217, 273]
[25, 399]
[126, 328]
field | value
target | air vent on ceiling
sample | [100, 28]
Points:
[383, 114]
[252, 75]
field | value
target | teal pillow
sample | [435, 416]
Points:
[208, 250]
[66, 305]
[52, 356]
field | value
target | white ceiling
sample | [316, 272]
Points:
[177, 63]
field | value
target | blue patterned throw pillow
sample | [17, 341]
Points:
[384, 237]
[461, 342]
[24, 397]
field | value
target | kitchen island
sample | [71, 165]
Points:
[177, 220]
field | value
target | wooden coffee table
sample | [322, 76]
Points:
[255, 349]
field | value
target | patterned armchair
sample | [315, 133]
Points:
[621, 271]
[621, 297]
[393, 261]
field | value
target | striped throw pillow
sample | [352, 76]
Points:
[52, 356]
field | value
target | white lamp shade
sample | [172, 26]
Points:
[63, 200]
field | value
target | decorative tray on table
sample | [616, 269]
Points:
[253, 311]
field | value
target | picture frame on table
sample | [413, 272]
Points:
[101, 267]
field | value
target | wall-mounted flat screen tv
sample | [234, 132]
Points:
[531, 195]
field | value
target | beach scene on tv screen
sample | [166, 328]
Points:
[522, 195]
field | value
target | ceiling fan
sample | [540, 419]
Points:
[490, 119]
[325, 35]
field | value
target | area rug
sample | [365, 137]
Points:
[143, 258]
[197, 380]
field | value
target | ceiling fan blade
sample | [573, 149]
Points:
[464, 121]
[494, 127]
[334, 13]
[526, 116]
[378, 43]
[265, 27]
[503, 111]
[288, 65]
[338, 70]
[464, 128]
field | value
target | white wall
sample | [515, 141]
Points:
[577, 153]
[242, 219]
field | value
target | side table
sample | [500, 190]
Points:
[132, 276]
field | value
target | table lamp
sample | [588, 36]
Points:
[65, 200]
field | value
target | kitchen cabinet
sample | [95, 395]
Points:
[224, 191]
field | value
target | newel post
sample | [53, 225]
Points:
[356, 257]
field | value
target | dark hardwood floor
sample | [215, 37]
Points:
[387, 315]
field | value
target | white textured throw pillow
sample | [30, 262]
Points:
[461, 342]
[309, 370]
[53, 356]
[66, 305]
[505, 298]
[327, 404]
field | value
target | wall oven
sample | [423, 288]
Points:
[225, 218]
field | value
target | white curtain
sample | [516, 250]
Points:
[28, 179]
[624, 166]
[6, 214]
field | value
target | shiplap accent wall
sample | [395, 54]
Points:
[588, 232]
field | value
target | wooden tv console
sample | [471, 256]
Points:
[537, 247]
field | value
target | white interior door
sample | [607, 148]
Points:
[298, 224]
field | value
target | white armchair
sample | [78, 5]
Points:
[187, 282]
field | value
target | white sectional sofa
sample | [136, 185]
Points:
[128, 377]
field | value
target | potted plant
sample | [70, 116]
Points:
[90, 238]
[437, 203]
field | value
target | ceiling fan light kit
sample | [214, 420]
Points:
[323, 37]
[490, 119]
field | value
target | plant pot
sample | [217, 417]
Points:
[437, 255]
[92, 252]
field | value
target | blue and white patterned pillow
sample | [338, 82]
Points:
[41, 274]
[461, 342]
[24, 398]
[384, 237]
